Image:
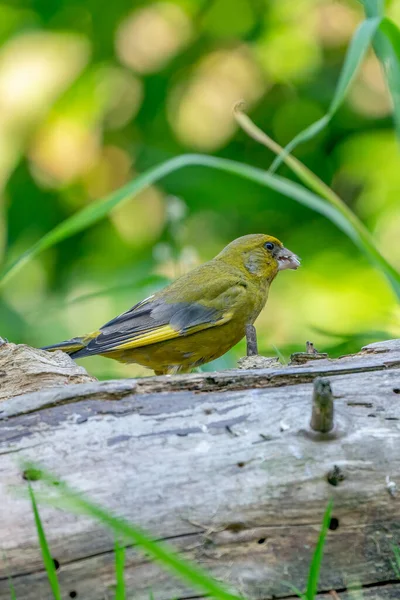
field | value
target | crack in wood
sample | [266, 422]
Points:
[351, 591]
[239, 533]
[226, 477]
[225, 381]
[87, 557]
[324, 594]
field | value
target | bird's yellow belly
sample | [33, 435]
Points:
[186, 352]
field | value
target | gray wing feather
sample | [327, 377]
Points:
[147, 316]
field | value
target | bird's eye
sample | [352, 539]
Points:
[269, 246]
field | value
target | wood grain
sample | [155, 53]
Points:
[224, 466]
[24, 369]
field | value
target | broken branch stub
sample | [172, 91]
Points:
[240, 487]
[311, 353]
[322, 407]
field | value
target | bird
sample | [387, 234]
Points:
[198, 317]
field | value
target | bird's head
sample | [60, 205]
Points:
[261, 255]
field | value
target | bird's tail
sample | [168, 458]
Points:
[69, 346]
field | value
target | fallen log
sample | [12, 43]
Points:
[24, 369]
[228, 467]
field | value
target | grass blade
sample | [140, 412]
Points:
[13, 595]
[12, 590]
[92, 213]
[387, 48]
[355, 54]
[98, 210]
[282, 359]
[396, 561]
[295, 590]
[73, 501]
[315, 567]
[47, 559]
[388, 51]
[119, 571]
[10, 581]
[365, 240]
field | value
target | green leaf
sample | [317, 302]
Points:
[374, 7]
[119, 571]
[315, 567]
[315, 184]
[387, 47]
[347, 222]
[73, 501]
[46, 555]
[355, 54]
[295, 590]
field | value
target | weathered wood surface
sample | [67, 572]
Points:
[24, 369]
[389, 591]
[224, 466]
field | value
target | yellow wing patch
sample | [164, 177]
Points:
[164, 333]
[90, 336]
[161, 334]
[65, 347]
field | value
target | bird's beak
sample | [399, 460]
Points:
[287, 260]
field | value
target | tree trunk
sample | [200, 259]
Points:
[225, 466]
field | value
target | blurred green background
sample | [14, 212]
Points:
[91, 95]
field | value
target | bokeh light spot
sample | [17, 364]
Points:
[289, 53]
[149, 37]
[240, 20]
[123, 93]
[34, 68]
[63, 150]
[369, 94]
[336, 22]
[140, 220]
[201, 111]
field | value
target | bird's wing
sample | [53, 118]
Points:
[155, 320]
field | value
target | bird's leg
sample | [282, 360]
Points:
[251, 339]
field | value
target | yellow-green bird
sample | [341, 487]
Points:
[198, 317]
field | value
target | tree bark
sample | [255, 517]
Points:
[24, 369]
[225, 466]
